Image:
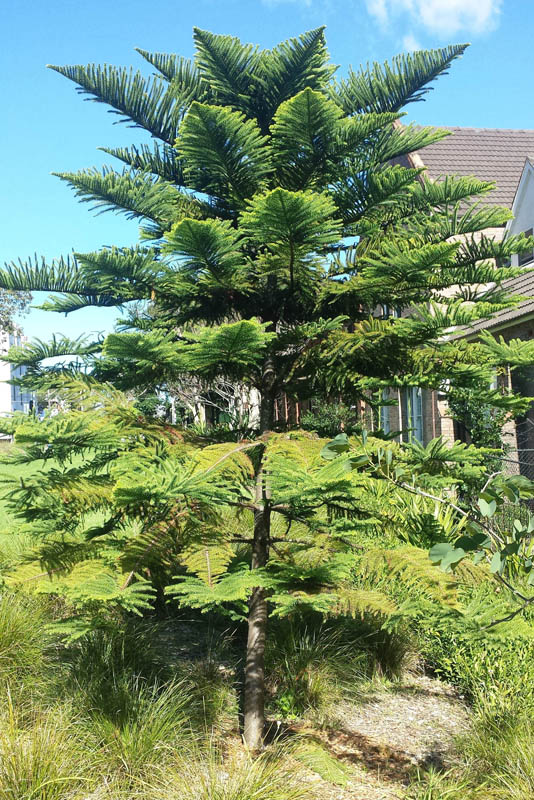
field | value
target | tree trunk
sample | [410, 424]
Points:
[267, 411]
[254, 699]
[254, 695]
[268, 394]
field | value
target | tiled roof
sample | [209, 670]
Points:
[493, 154]
[522, 285]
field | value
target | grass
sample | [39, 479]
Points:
[139, 712]
[23, 641]
[100, 718]
[117, 716]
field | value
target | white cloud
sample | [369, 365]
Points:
[410, 43]
[440, 16]
[378, 9]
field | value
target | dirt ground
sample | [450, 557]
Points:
[387, 735]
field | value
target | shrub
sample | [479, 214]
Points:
[329, 419]
[480, 661]
[103, 666]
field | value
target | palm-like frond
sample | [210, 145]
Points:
[135, 194]
[60, 275]
[354, 603]
[229, 349]
[288, 68]
[207, 563]
[399, 141]
[413, 567]
[117, 275]
[37, 350]
[224, 154]
[160, 160]
[207, 249]
[227, 66]
[182, 73]
[127, 271]
[302, 139]
[147, 103]
[291, 223]
[389, 87]
[514, 353]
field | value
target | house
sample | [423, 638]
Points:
[11, 397]
[505, 156]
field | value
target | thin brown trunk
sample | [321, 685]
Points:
[254, 696]
[268, 395]
[267, 411]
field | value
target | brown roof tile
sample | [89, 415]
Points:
[522, 285]
[493, 154]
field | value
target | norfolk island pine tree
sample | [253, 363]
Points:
[274, 225]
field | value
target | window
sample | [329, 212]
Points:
[528, 255]
[384, 416]
[389, 312]
[414, 408]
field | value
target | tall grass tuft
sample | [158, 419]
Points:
[310, 668]
[433, 785]
[499, 749]
[46, 761]
[153, 730]
[236, 777]
[23, 638]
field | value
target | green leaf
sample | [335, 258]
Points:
[340, 444]
[497, 562]
[439, 551]
[472, 542]
[454, 555]
[487, 509]
[358, 461]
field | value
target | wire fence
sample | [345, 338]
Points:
[520, 463]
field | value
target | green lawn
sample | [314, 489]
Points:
[13, 532]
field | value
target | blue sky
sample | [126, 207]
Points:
[47, 127]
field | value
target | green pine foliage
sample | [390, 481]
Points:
[263, 174]
[277, 221]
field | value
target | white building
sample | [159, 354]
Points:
[11, 397]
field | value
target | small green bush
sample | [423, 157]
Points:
[329, 419]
